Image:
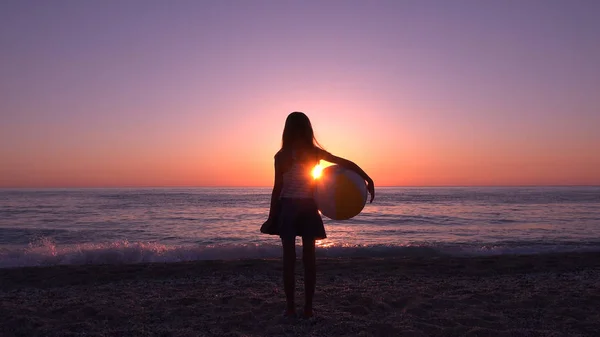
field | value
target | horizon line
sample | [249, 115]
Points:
[263, 186]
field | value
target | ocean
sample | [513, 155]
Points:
[40, 227]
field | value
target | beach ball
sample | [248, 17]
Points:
[340, 193]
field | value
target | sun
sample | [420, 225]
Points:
[317, 171]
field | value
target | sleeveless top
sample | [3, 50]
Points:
[298, 182]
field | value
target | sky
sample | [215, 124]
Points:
[195, 93]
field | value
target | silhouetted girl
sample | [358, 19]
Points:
[293, 210]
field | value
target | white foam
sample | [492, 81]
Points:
[44, 252]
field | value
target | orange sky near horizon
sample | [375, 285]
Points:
[417, 94]
[392, 156]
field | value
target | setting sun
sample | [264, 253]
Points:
[317, 171]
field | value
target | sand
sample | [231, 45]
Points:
[542, 295]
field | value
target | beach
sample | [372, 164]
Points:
[509, 295]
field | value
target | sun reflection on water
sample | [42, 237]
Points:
[325, 243]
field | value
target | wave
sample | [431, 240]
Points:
[44, 252]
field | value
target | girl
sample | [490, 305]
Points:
[293, 211]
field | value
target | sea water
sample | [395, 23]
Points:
[131, 225]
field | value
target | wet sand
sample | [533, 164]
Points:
[540, 295]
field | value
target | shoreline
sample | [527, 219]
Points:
[509, 295]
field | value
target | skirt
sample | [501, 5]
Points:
[299, 217]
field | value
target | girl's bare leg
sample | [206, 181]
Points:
[289, 263]
[310, 274]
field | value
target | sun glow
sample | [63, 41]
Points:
[317, 171]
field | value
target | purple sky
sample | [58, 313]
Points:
[388, 83]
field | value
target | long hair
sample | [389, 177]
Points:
[298, 133]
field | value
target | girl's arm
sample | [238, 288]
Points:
[276, 188]
[351, 166]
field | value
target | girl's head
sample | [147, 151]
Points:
[298, 132]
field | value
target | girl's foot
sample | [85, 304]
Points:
[308, 313]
